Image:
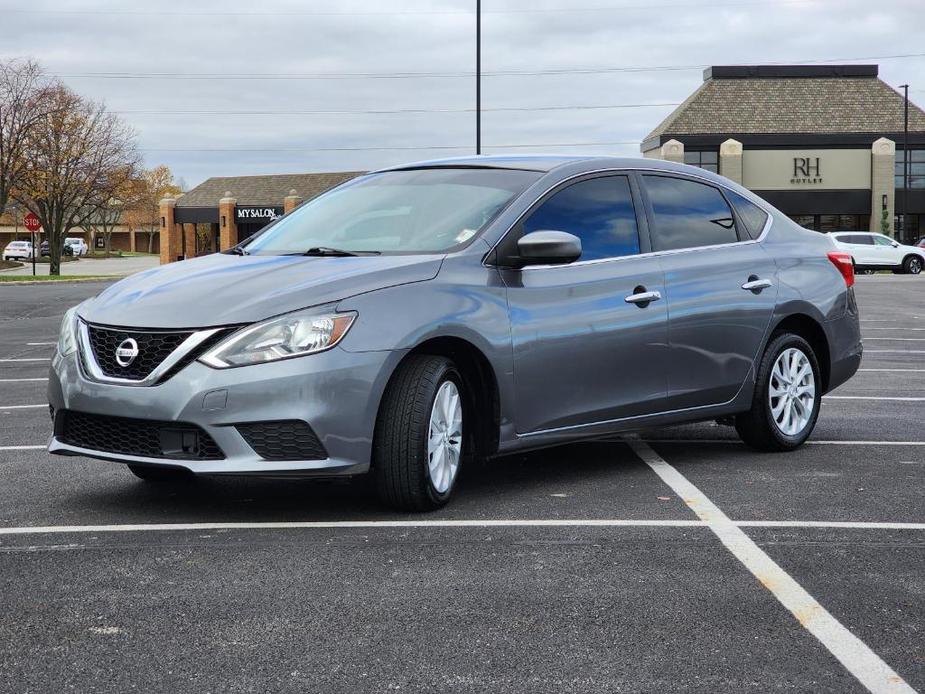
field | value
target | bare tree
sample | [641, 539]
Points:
[78, 155]
[144, 212]
[23, 105]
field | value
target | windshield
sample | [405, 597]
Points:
[419, 211]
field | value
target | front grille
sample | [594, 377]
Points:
[153, 348]
[287, 439]
[138, 437]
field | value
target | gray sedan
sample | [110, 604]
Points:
[415, 318]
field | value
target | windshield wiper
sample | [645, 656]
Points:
[336, 252]
[237, 250]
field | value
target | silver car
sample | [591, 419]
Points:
[415, 318]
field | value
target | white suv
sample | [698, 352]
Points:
[878, 252]
[77, 244]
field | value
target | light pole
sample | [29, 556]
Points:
[901, 231]
[478, 76]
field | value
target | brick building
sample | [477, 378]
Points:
[824, 144]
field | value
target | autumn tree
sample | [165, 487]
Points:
[23, 105]
[79, 154]
[151, 187]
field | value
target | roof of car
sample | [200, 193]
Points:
[536, 162]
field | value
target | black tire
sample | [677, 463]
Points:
[757, 427]
[161, 475]
[400, 460]
[912, 265]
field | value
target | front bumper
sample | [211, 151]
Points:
[336, 392]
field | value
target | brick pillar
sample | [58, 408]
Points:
[672, 151]
[170, 232]
[730, 160]
[131, 240]
[882, 166]
[228, 228]
[189, 240]
[291, 201]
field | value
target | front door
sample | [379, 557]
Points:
[583, 354]
[721, 289]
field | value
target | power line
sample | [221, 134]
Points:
[416, 75]
[411, 12]
[216, 112]
[383, 149]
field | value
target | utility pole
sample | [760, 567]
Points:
[901, 231]
[478, 76]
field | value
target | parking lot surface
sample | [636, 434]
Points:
[673, 561]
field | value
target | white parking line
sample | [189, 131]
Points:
[22, 448]
[42, 344]
[869, 669]
[447, 523]
[897, 329]
[872, 397]
[898, 371]
[20, 380]
[894, 351]
[22, 407]
[897, 339]
[10, 361]
[808, 443]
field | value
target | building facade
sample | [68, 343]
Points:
[824, 144]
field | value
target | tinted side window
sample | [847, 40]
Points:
[753, 216]
[881, 241]
[688, 214]
[860, 239]
[599, 211]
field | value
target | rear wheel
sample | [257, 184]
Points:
[785, 405]
[161, 475]
[912, 265]
[418, 445]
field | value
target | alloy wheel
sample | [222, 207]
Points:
[792, 391]
[444, 439]
[915, 266]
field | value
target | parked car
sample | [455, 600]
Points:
[418, 317]
[870, 251]
[45, 253]
[18, 250]
[77, 245]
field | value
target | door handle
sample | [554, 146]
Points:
[643, 297]
[756, 285]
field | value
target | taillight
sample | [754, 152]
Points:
[842, 261]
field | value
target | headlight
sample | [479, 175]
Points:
[67, 337]
[295, 335]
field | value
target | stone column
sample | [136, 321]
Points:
[730, 160]
[882, 168]
[189, 240]
[672, 151]
[131, 240]
[291, 201]
[228, 228]
[170, 233]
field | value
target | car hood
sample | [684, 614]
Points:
[223, 289]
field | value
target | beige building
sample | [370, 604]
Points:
[824, 144]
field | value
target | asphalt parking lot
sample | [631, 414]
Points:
[676, 562]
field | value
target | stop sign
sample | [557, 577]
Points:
[32, 222]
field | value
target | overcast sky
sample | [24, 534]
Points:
[167, 66]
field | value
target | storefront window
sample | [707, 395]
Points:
[916, 168]
[910, 231]
[833, 222]
[708, 160]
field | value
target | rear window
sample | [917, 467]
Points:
[752, 216]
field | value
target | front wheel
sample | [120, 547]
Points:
[912, 265]
[787, 395]
[418, 446]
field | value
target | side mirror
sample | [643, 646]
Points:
[895, 244]
[548, 248]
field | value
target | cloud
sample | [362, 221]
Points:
[287, 37]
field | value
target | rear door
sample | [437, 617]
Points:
[583, 353]
[721, 284]
[862, 249]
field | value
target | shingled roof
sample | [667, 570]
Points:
[834, 99]
[262, 190]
